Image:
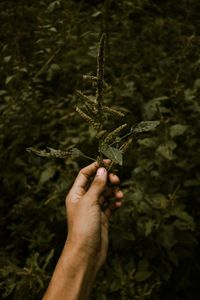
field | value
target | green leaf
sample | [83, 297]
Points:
[7, 59]
[184, 221]
[53, 6]
[47, 174]
[152, 106]
[166, 150]
[96, 13]
[9, 79]
[146, 126]
[148, 142]
[149, 226]
[167, 237]
[113, 153]
[142, 275]
[177, 129]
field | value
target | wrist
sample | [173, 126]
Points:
[79, 257]
[75, 270]
[83, 249]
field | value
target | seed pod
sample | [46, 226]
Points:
[126, 145]
[114, 112]
[113, 134]
[88, 119]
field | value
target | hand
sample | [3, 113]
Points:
[89, 211]
[88, 214]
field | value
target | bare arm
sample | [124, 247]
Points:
[86, 247]
[73, 277]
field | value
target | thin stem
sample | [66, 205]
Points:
[100, 76]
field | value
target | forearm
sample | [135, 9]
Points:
[73, 277]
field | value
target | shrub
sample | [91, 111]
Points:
[152, 64]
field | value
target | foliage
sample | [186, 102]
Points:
[97, 115]
[152, 67]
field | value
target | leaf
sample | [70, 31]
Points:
[7, 59]
[96, 13]
[9, 79]
[166, 150]
[145, 126]
[53, 29]
[113, 153]
[128, 236]
[197, 83]
[115, 285]
[177, 129]
[148, 142]
[149, 226]
[50, 152]
[47, 174]
[185, 221]
[53, 6]
[191, 183]
[167, 237]
[142, 275]
[53, 153]
[151, 107]
[3, 92]
[160, 201]
[75, 152]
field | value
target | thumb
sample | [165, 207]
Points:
[99, 184]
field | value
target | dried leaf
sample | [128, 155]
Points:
[53, 153]
[145, 126]
[50, 152]
[113, 153]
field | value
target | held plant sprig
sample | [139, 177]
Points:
[110, 143]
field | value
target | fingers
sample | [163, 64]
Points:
[119, 195]
[116, 193]
[84, 175]
[112, 191]
[114, 179]
[98, 185]
[112, 207]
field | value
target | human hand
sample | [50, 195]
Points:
[87, 242]
[89, 211]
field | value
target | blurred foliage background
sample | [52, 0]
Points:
[153, 68]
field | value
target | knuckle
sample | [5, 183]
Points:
[83, 172]
[99, 181]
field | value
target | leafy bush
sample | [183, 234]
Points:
[152, 64]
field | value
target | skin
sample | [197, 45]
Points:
[88, 213]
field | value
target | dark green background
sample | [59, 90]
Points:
[153, 67]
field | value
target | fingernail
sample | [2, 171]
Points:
[120, 194]
[101, 171]
[118, 204]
